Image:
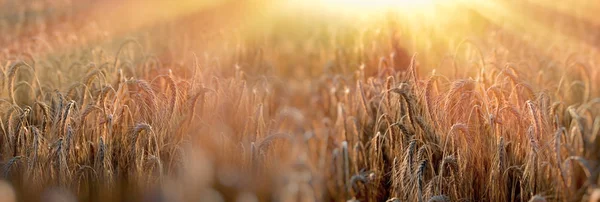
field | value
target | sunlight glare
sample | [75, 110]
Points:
[418, 6]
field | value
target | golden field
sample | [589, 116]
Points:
[289, 100]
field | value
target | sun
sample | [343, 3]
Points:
[360, 7]
[383, 3]
[378, 5]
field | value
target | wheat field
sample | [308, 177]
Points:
[286, 100]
